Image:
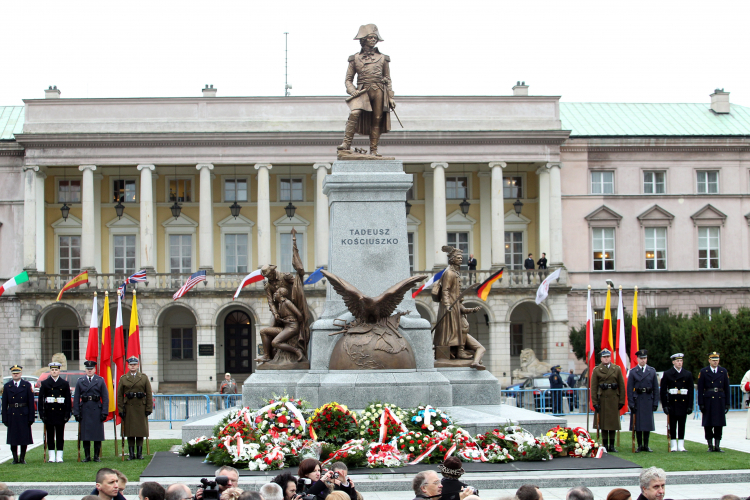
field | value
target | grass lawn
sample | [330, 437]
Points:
[70, 470]
[697, 457]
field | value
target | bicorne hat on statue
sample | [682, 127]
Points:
[368, 29]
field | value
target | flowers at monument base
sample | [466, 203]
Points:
[381, 422]
[352, 453]
[496, 454]
[333, 423]
[384, 455]
[420, 447]
[280, 416]
[427, 419]
[199, 446]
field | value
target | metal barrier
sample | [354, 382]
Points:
[555, 401]
[180, 407]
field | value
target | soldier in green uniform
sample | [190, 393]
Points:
[608, 397]
[18, 413]
[134, 404]
[55, 407]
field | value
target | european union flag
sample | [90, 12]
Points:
[314, 277]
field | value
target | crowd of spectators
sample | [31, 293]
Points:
[313, 482]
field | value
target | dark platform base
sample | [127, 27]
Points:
[168, 464]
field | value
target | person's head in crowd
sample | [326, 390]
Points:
[653, 482]
[5, 493]
[579, 493]
[122, 480]
[231, 494]
[178, 491]
[232, 474]
[271, 491]
[343, 471]
[309, 468]
[337, 495]
[288, 484]
[32, 495]
[529, 492]
[106, 483]
[250, 495]
[90, 497]
[619, 494]
[451, 468]
[730, 497]
[427, 484]
[151, 490]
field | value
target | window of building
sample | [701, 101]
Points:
[291, 190]
[512, 187]
[232, 186]
[599, 314]
[180, 190]
[514, 249]
[708, 248]
[69, 345]
[604, 248]
[124, 246]
[653, 182]
[285, 264]
[410, 237]
[456, 188]
[180, 253]
[182, 343]
[708, 181]
[709, 311]
[516, 339]
[70, 254]
[69, 191]
[656, 248]
[602, 182]
[124, 191]
[460, 241]
[656, 311]
[236, 252]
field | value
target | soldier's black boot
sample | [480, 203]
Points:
[612, 441]
[22, 456]
[646, 435]
[14, 450]
[97, 451]
[639, 439]
[716, 446]
[131, 452]
[140, 453]
[87, 451]
[710, 445]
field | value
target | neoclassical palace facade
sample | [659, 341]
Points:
[653, 195]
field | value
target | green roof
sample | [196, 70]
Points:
[11, 122]
[626, 119]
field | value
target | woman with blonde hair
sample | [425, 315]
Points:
[337, 495]
[231, 494]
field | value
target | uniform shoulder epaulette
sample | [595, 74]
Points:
[387, 58]
[351, 57]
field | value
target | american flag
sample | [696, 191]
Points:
[194, 279]
[135, 278]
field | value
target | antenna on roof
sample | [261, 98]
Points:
[287, 87]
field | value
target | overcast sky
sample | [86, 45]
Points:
[584, 51]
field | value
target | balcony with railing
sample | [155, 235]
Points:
[512, 278]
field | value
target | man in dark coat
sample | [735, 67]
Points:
[54, 410]
[90, 408]
[643, 400]
[542, 263]
[713, 399]
[677, 400]
[18, 413]
[556, 384]
[472, 263]
[134, 403]
[608, 397]
[528, 264]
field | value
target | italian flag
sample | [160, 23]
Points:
[14, 282]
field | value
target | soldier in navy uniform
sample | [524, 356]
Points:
[643, 399]
[18, 413]
[54, 410]
[556, 384]
[90, 408]
[677, 398]
[713, 400]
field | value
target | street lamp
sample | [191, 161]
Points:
[408, 207]
[517, 206]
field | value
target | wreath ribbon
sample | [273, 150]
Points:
[384, 417]
[352, 443]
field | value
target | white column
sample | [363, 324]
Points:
[206, 218]
[88, 218]
[498, 215]
[264, 214]
[40, 221]
[206, 369]
[429, 235]
[543, 243]
[440, 233]
[485, 220]
[148, 221]
[98, 221]
[30, 194]
[321, 216]
[555, 255]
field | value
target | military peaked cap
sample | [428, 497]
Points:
[16, 368]
[605, 352]
[89, 364]
[55, 364]
[713, 355]
[679, 355]
[132, 360]
[643, 353]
